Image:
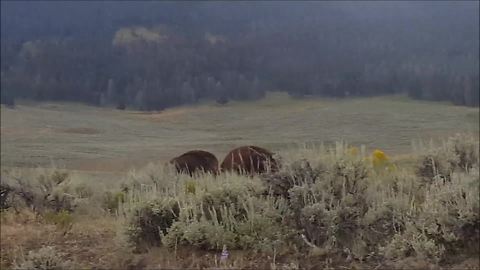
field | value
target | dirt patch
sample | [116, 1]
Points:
[15, 131]
[171, 114]
[165, 115]
[27, 132]
[81, 130]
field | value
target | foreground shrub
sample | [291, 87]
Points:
[83, 191]
[331, 185]
[413, 243]
[333, 227]
[437, 165]
[46, 258]
[298, 173]
[261, 228]
[467, 148]
[63, 220]
[190, 187]
[445, 224]
[265, 233]
[458, 153]
[203, 234]
[112, 201]
[49, 191]
[150, 221]
[214, 203]
[452, 213]
[328, 201]
[5, 195]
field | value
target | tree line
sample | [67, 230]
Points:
[154, 55]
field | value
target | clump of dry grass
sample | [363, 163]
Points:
[150, 221]
[208, 213]
[45, 258]
[458, 153]
[48, 190]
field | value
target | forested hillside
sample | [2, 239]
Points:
[153, 55]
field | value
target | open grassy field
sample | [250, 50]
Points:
[94, 139]
[327, 208]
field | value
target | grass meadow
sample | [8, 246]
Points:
[96, 139]
[370, 183]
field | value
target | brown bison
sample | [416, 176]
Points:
[249, 159]
[194, 161]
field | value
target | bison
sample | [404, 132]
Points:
[195, 160]
[249, 159]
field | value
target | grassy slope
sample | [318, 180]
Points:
[100, 139]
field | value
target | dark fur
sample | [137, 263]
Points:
[194, 161]
[249, 159]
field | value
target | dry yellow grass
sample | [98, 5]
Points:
[90, 242]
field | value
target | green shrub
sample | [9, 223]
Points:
[203, 234]
[348, 177]
[298, 173]
[333, 227]
[216, 200]
[112, 201]
[436, 166]
[381, 223]
[63, 220]
[446, 223]
[315, 222]
[83, 191]
[459, 153]
[413, 243]
[452, 213]
[57, 177]
[49, 191]
[264, 233]
[467, 148]
[303, 173]
[260, 229]
[190, 187]
[150, 221]
[328, 203]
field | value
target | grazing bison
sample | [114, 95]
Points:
[249, 159]
[196, 160]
